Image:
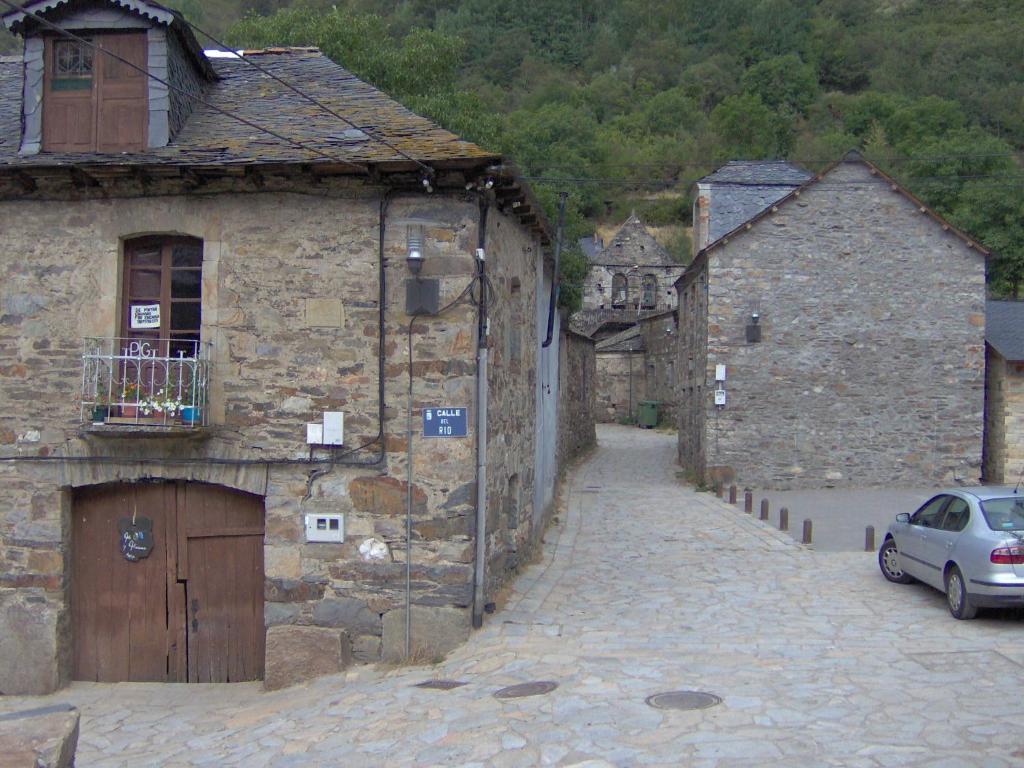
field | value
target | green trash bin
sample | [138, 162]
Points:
[647, 414]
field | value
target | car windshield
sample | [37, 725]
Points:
[1004, 514]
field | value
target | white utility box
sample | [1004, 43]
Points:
[325, 528]
[334, 428]
[719, 372]
[719, 397]
[315, 434]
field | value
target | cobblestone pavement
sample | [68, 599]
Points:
[646, 586]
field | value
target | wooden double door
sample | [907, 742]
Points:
[191, 610]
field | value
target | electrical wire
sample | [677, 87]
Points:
[144, 71]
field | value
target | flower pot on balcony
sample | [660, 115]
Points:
[129, 411]
[191, 415]
[100, 413]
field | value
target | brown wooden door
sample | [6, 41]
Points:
[119, 608]
[224, 538]
[122, 94]
[192, 610]
[69, 114]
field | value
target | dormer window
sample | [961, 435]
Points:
[92, 101]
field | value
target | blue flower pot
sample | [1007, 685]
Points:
[191, 415]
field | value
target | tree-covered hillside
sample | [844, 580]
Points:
[625, 102]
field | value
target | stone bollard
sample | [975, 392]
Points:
[784, 519]
[732, 494]
[748, 502]
[807, 532]
[764, 509]
[869, 539]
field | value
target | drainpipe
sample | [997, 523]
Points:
[555, 287]
[480, 561]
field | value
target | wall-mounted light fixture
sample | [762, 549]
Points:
[754, 326]
[414, 248]
[421, 295]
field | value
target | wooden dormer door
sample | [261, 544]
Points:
[92, 101]
[122, 94]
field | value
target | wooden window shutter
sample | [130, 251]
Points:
[122, 94]
[93, 102]
[69, 123]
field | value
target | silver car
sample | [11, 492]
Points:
[967, 543]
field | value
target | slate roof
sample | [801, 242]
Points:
[633, 244]
[211, 139]
[629, 340]
[758, 173]
[853, 156]
[1004, 328]
[587, 322]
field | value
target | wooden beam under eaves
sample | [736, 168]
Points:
[28, 184]
[192, 179]
[81, 179]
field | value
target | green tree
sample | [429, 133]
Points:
[783, 83]
[745, 127]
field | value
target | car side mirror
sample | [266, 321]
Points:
[903, 517]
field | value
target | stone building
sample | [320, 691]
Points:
[844, 329]
[219, 341]
[1004, 392]
[737, 192]
[632, 272]
[638, 364]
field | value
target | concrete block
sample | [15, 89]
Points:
[29, 653]
[435, 631]
[39, 738]
[296, 654]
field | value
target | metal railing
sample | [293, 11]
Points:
[159, 382]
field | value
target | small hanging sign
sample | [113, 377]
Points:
[145, 316]
[136, 537]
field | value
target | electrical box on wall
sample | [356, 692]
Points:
[719, 397]
[325, 528]
[334, 428]
[719, 372]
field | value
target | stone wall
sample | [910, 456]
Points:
[577, 372]
[1004, 419]
[290, 304]
[871, 366]
[661, 351]
[691, 365]
[512, 266]
[620, 385]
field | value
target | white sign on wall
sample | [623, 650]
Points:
[145, 316]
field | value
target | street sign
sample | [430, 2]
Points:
[445, 422]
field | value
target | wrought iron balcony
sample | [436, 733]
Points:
[145, 382]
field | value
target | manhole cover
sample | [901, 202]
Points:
[683, 700]
[440, 685]
[526, 689]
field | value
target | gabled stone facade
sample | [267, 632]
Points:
[1004, 392]
[633, 271]
[869, 368]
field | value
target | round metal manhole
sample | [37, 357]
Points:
[683, 700]
[526, 689]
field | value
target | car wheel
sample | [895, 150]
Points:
[959, 601]
[889, 562]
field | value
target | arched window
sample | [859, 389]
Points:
[620, 290]
[649, 295]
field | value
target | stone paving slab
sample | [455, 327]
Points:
[645, 587]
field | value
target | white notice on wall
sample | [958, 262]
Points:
[145, 316]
